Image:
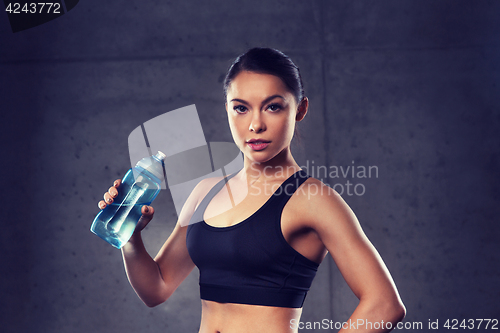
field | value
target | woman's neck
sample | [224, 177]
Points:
[281, 166]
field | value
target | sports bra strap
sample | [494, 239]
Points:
[280, 196]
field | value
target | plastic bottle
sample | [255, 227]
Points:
[140, 186]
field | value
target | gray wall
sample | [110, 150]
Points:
[411, 87]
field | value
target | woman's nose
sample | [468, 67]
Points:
[257, 124]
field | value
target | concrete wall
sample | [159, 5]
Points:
[410, 87]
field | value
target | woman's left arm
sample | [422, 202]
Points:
[359, 262]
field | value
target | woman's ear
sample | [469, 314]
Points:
[302, 109]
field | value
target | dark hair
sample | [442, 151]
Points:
[267, 61]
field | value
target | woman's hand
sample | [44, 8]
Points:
[112, 193]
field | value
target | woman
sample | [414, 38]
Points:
[259, 235]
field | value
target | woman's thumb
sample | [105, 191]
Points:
[147, 211]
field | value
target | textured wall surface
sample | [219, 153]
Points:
[410, 88]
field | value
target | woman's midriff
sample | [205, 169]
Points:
[243, 318]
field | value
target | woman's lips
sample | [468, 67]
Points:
[258, 144]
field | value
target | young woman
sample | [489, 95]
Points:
[258, 236]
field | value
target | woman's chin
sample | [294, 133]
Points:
[259, 157]
[265, 156]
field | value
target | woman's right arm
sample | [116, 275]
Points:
[154, 280]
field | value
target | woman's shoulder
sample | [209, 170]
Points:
[204, 186]
[208, 182]
[317, 202]
[314, 191]
[194, 199]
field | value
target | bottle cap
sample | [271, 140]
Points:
[161, 156]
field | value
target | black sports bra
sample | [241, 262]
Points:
[250, 262]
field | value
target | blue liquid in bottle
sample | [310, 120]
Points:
[140, 186]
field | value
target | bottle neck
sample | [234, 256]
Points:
[142, 171]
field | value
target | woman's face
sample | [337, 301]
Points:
[262, 113]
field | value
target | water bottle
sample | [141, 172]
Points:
[140, 186]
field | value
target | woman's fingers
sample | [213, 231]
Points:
[147, 215]
[108, 198]
[113, 192]
[146, 211]
[110, 195]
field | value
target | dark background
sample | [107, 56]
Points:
[411, 87]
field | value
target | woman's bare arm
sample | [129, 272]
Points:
[154, 280]
[358, 261]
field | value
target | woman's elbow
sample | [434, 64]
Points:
[152, 304]
[155, 300]
[396, 310]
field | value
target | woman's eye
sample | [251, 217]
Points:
[274, 107]
[240, 109]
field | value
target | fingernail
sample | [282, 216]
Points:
[109, 200]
